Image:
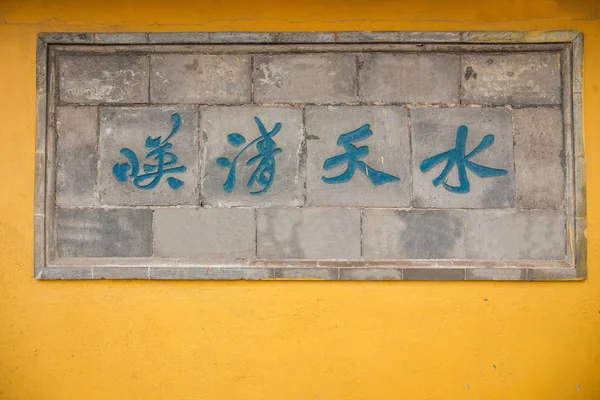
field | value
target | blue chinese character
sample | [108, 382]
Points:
[264, 174]
[164, 162]
[352, 158]
[456, 157]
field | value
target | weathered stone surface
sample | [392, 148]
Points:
[539, 158]
[409, 78]
[309, 233]
[518, 78]
[389, 152]
[496, 274]
[178, 37]
[202, 79]
[211, 273]
[204, 234]
[307, 273]
[120, 38]
[434, 274]
[371, 274]
[514, 235]
[93, 79]
[120, 272]
[287, 184]
[304, 78]
[76, 156]
[130, 128]
[94, 232]
[416, 234]
[434, 131]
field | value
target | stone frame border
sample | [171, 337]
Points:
[571, 46]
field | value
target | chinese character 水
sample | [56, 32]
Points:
[456, 157]
[352, 158]
[164, 162]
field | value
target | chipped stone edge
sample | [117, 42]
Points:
[429, 270]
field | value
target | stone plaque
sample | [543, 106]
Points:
[337, 156]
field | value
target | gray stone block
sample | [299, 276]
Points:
[434, 274]
[434, 131]
[65, 273]
[121, 273]
[240, 37]
[120, 38]
[389, 152]
[518, 78]
[539, 158]
[93, 232]
[515, 235]
[496, 274]
[409, 78]
[93, 79]
[308, 233]
[205, 234]
[178, 37]
[305, 78]
[202, 79]
[428, 234]
[130, 128]
[222, 274]
[328, 274]
[552, 274]
[217, 123]
[370, 274]
[76, 156]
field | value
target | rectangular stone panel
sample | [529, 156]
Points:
[380, 177]
[96, 232]
[309, 233]
[207, 234]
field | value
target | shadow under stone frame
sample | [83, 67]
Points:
[568, 43]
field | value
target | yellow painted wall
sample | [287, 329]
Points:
[284, 340]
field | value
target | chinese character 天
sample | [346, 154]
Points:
[264, 173]
[456, 158]
[162, 162]
[352, 158]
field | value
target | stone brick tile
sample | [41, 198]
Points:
[388, 152]
[539, 158]
[304, 78]
[76, 156]
[93, 79]
[89, 232]
[515, 235]
[287, 175]
[203, 79]
[409, 78]
[328, 274]
[496, 274]
[309, 233]
[518, 78]
[416, 234]
[434, 274]
[370, 274]
[434, 131]
[134, 129]
[204, 234]
[211, 273]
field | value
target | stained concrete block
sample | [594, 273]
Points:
[370, 274]
[388, 152]
[539, 158]
[434, 131]
[409, 78]
[94, 232]
[205, 234]
[101, 78]
[416, 234]
[305, 78]
[328, 274]
[287, 184]
[434, 274]
[309, 233]
[515, 235]
[202, 79]
[76, 156]
[517, 78]
[132, 128]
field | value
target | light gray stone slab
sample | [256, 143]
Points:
[329, 274]
[305, 37]
[200, 78]
[308, 233]
[205, 234]
[434, 131]
[552, 274]
[305, 78]
[65, 273]
[389, 152]
[217, 123]
[101, 78]
[409, 78]
[397, 37]
[203, 273]
[71, 38]
[434, 274]
[515, 235]
[416, 234]
[496, 274]
[130, 128]
[370, 274]
[120, 272]
[518, 78]
[178, 37]
[240, 37]
[93, 232]
[539, 158]
[120, 38]
[76, 156]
